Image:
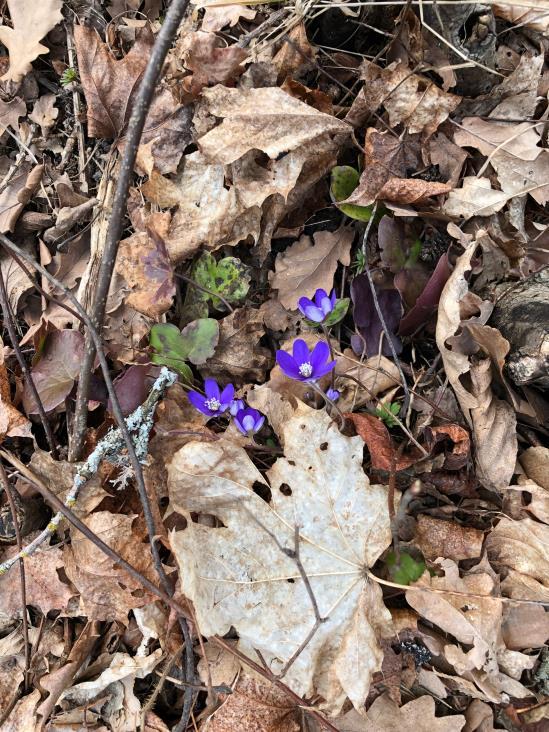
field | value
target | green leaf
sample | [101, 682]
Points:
[199, 339]
[387, 413]
[169, 349]
[229, 278]
[344, 180]
[405, 569]
[338, 313]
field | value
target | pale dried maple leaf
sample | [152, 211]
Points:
[31, 22]
[264, 119]
[237, 576]
[304, 267]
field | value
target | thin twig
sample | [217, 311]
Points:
[13, 508]
[134, 131]
[9, 320]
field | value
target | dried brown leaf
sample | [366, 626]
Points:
[535, 461]
[533, 15]
[217, 17]
[211, 62]
[475, 198]
[12, 422]
[304, 267]
[377, 438]
[44, 113]
[263, 119]
[255, 705]
[417, 716]
[436, 538]
[31, 21]
[295, 54]
[409, 99]
[10, 112]
[238, 355]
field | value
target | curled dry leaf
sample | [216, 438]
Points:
[493, 420]
[108, 592]
[210, 62]
[44, 113]
[12, 422]
[31, 22]
[217, 17]
[305, 267]
[10, 112]
[535, 461]
[410, 99]
[295, 54]
[535, 15]
[459, 455]
[375, 375]
[18, 193]
[377, 438]
[320, 489]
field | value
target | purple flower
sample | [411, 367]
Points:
[215, 402]
[305, 366]
[249, 421]
[333, 394]
[319, 308]
[235, 406]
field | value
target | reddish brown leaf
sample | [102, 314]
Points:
[211, 62]
[459, 454]
[377, 438]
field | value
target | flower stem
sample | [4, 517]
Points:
[329, 401]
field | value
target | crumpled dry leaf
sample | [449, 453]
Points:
[44, 113]
[208, 213]
[217, 17]
[210, 61]
[22, 717]
[417, 716]
[306, 266]
[493, 420]
[31, 22]
[476, 625]
[436, 538]
[376, 375]
[43, 585]
[295, 54]
[144, 263]
[409, 99]
[376, 436]
[238, 355]
[475, 198]
[344, 526]
[254, 706]
[525, 626]
[535, 461]
[18, 193]
[521, 166]
[108, 592]
[265, 119]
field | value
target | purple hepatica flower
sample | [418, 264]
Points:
[319, 308]
[305, 366]
[333, 394]
[236, 406]
[215, 402]
[249, 421]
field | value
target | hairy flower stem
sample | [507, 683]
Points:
[326, 333]
[329, 401]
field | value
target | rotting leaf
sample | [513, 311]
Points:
[228, 279]
[195, 343]
[343, 182]
[320, 487]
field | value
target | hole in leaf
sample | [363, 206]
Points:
[263, 491]
[324, 446]
[291, 580]
[285, 489]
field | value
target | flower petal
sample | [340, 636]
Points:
[321, 371]
[313, 313]
[326, 305]
[211, 388]
[333, 298]
[304, 303]
[301, 352]
[227, 396]
[320, 354]
[287, 364]
[197, 400]
[320, 294]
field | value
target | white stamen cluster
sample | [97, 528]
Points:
[306, 369]
[213, 404]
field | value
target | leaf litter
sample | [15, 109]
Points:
[335, 243]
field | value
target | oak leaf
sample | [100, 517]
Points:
[31, 21]
[417, 716]
[304, 267]
[241, 575]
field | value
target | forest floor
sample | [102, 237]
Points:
[274, 282]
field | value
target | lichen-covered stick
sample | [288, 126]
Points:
[110, 448]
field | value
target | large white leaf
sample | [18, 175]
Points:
[238, 575]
